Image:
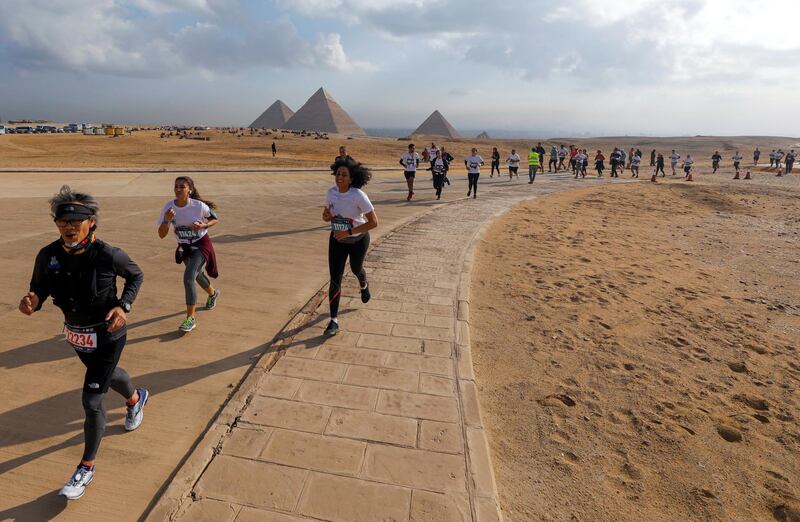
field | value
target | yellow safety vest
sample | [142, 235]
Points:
[533, 159]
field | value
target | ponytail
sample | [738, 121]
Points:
[195, 194]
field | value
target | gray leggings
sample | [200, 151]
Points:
[194, 272]
[95, 424]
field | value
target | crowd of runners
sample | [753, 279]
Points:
[79, 270]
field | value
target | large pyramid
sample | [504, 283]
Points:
[483, 136]
[321, 113]
[275, 117]
[437, 125]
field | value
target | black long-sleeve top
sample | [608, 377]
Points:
[84, 286]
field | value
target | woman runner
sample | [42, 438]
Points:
[191, 216]
[79, 271]
[495, 162]
[660, 165]
[473, 164]
[439, 170]
[598, 163]
[352, 216]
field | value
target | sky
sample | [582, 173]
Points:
[601, 67]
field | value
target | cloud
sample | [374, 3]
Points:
[589, 42]
[138, 39]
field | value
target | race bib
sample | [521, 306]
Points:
[184, 232]
[474, 165]
[82, 339]
[339, 223]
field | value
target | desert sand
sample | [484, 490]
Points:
[652, 370]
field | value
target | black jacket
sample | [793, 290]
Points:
[84, 286]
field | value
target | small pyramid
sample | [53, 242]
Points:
[437, 125]
[483, 136]
[275, 117]
[321, 113]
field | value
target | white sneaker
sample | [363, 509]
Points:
[135, 413]
[76, 485]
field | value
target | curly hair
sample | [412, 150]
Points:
[359, 174]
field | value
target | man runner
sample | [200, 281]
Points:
[410, 161]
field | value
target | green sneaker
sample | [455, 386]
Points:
[211, 302]
[188, 324]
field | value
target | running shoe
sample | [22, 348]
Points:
[188, 324]
[365, 294]
[332, 329]
[211, 302]
[76, 485]
[135, 414]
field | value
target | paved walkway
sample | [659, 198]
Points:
[381, 422]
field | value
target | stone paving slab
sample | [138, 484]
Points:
[383, 421]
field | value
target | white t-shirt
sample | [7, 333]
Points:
[438, 166]
[737, 157]
[688, 162]
[410, 160]
[348, 209]
[513, 160]
[474, 164]
[635, 161]
[185, 216]
[674, 157]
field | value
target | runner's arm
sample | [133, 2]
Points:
[39, 287]
[130, 272]
[372, 222]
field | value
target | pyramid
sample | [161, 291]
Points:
[274, 117]
[437, 125]
[321, 113]
[483, 136]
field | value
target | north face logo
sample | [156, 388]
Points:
[94, 385]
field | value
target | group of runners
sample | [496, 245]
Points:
[79, 270]
[572, 159]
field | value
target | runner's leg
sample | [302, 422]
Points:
[337, 257]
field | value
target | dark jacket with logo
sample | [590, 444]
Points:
[84, 286]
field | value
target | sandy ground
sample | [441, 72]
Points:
[652, 372]
[146, 150]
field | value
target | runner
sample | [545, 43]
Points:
[598, 163]
[562, 156]
[614, 160]
[715, 159]
[513, 164]
[621, 161]
[191, 216]
[778, 158]
[756, 155]
[573, 152]
[653, 158]
[540, 150]
[352, 216]
[410, 161]
[449, 159]
[533, 165]
[790, 159]
[439, 170]
[631, 154]
[577, 161]
[772, 158]
[343, 155]
[553, 159]
[673, 160]
[473, 164]
[274, 149]
[687, 167]
[660, 165]
[79, 271]
[737, 159]
[584, 162]
[495, 162]
[635, 162]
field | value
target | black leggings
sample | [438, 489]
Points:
[101, 371]
[338, 253]
[438, 183]
[472, 179]
[495, 165]
[660, 167]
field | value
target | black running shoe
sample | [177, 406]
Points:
[332, 329]
[365, 294]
